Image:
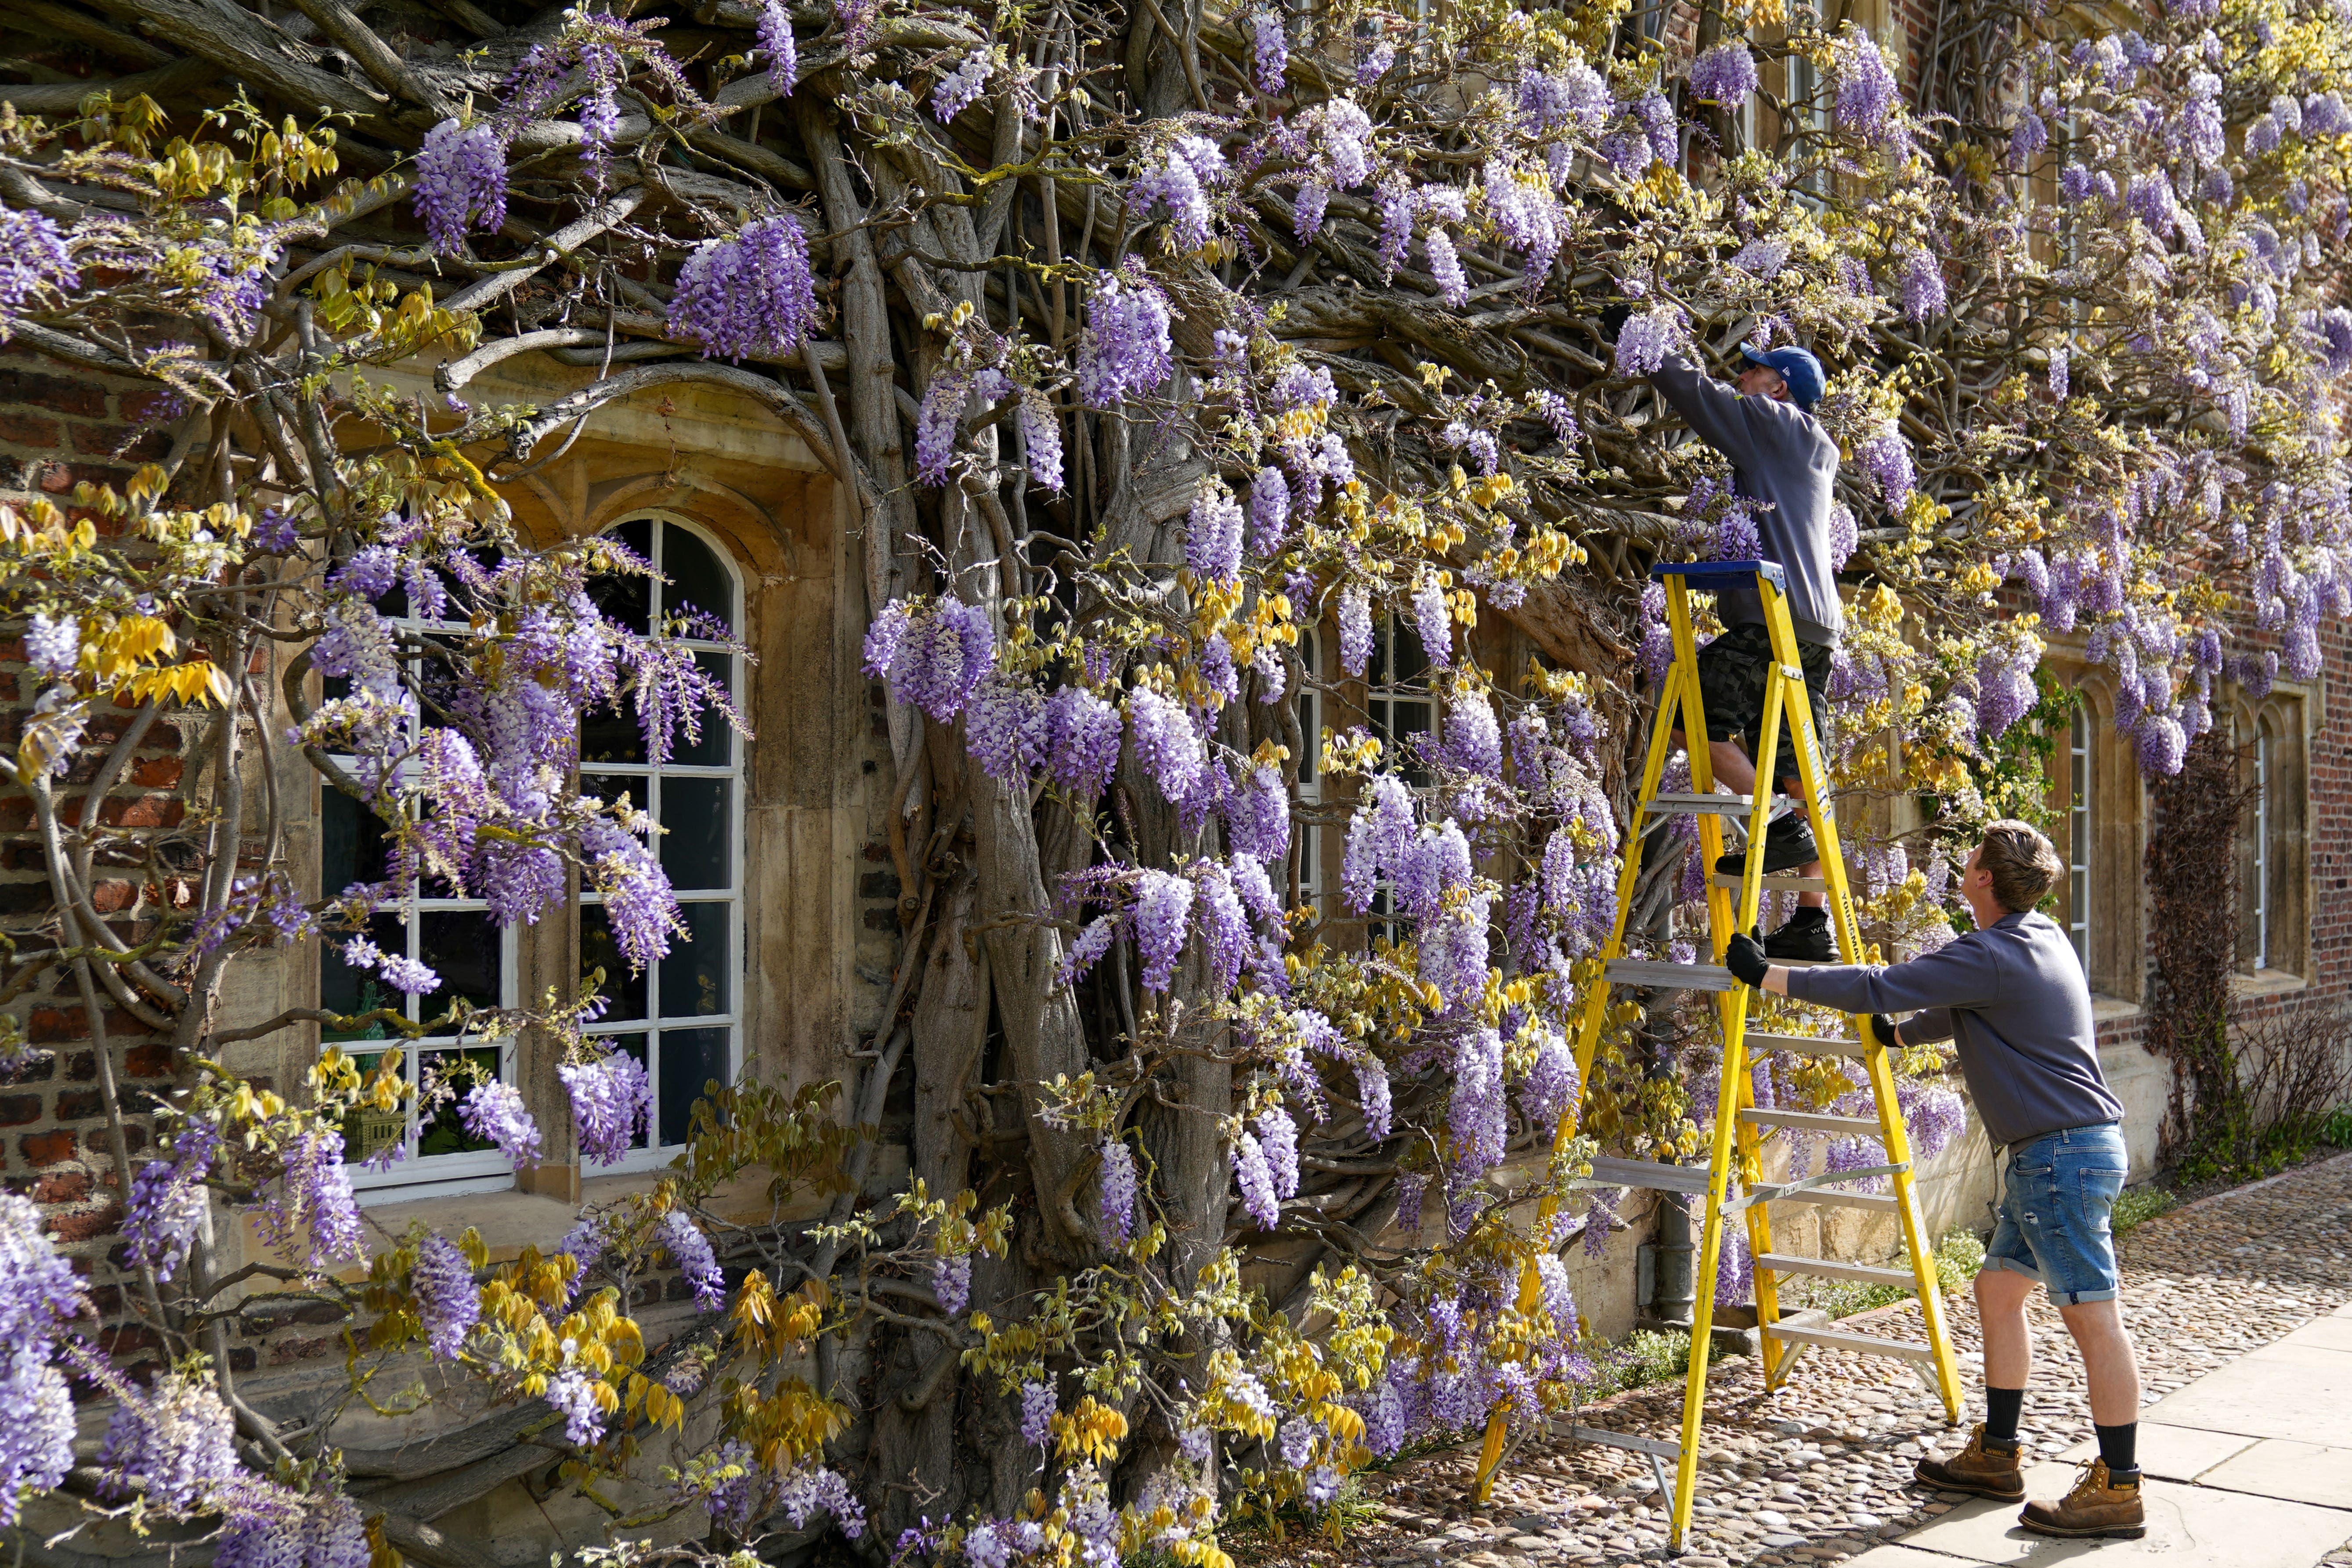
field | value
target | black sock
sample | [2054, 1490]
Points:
[2002, 1407]
[2118, 1447]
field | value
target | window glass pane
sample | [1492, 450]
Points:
[1311, 739]
[343, 989]
[697, 580]
[625, 993]
[351, 843]
[441, 1133]
[691, 1060]
[463, 948]
[717, 748]
[694, 847]
[609, 733]
[694, 976]
[627, 599]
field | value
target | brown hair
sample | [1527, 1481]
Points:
[2023, 865]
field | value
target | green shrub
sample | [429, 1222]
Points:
[2337, 1131]
[2139, 1206]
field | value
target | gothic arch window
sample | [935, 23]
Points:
[681, 1016]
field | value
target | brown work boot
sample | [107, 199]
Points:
[1975, 1469]
[2095, 1507]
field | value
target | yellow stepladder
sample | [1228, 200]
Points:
[1740, 1124]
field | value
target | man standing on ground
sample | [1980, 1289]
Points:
[1785, 465]
[2011, 995]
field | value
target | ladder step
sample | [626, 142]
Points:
[1876, 1202]
[1777, 884]
[1670, 976]
[1684, 804]
[1650, 1176]
[1811, 1121]
[1829, 1269]
[1805, 1044]
[1626, 1440]
[1861, 1344]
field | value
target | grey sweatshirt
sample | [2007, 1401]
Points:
[2014, 998]
[1781, 457]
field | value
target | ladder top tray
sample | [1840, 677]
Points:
[1721, 571]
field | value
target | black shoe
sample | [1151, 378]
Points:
[1788, 844]
[1806, 936]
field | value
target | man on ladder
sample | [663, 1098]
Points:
[1786, 464]
[2012, 996]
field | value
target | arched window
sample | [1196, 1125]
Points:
[681, 1014]
[457, 939]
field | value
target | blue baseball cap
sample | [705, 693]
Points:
[1799, 368]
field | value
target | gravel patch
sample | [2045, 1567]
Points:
[1820, 1468]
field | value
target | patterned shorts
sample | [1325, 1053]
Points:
[1731, 671]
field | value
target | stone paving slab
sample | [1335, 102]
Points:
[2302, 1472]
[2332, 1333]
[2174, 1453]
[2200, 1524]
[2277, 1391]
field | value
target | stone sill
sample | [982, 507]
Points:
[2108, 1009]
[2266, 983]
[510, 1220]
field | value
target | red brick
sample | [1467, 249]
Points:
[151, 1060]
[27, 430]
[117, 441]
[19, 1110]
[59, 393]
[88, 1224]
[156, 773]
[65, 1187]
[47, 1148]
[147, 811]
[57, 1024]
[80, 1105]
[106, 898]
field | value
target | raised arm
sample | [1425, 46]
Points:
[1732, 425]
[1964, 974]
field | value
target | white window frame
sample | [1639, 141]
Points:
[2265, 747]
[654, 1027]
[1382, 695]
[2079, 782]
[1307, 705]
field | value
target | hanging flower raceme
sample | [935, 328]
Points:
[447, 1301]
[1126, 352]
[1724, 74]
[461, 182]
[168, 1200]
[934, 654]
[777, 47]
[35, 265]
[611, 1101]
[750, 296]
[691, 1251]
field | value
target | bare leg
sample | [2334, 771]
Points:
[2007, 1342]
[2108, 1362]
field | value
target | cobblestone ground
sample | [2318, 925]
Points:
[1819, 1470]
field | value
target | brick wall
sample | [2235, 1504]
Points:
[59, 426]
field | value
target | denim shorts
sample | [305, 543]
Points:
[2056, 1196]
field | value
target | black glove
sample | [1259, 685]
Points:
[1614, 318]
[1882, 1029]
[1744, 959]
